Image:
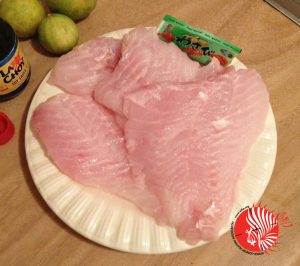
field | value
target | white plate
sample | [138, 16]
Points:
[116, 223]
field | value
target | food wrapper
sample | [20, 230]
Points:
[199, 45]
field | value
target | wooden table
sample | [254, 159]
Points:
[30, 234]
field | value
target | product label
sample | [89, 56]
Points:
[198, 44]
[14, 72]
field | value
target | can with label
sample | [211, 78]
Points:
[14, 66]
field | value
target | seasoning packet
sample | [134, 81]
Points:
[199, 45]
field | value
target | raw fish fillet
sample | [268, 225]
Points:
[191, 143]
[147, 60]
[177, 135]
[83, 140]
[80, 70]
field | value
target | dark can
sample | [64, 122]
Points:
[14, 66]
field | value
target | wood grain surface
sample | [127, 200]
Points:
[30, 234]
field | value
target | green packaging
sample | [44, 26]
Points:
[199, 45]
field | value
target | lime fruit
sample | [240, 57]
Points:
[75, 9]
[23, 15]
[58, 33]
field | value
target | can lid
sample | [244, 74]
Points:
[7, 128]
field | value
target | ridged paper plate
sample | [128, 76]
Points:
[116, 223]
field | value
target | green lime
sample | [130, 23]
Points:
[75, 9]
[58, 33]
[23, 15]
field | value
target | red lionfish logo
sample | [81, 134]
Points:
[256, 229]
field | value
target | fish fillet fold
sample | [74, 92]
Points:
[147, 60]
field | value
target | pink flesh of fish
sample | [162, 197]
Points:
[147, 60]
[83, 140]
[191, 144]
[80, 70]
